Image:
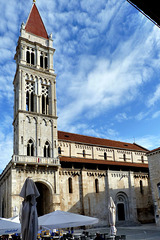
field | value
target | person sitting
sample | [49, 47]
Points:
[98, 236]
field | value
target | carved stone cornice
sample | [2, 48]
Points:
[96, 174]
[70, 173]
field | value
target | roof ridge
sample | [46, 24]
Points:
[103, 139]
[140, 146]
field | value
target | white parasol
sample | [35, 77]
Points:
[112, 216]
[61, 219]
[9, 227]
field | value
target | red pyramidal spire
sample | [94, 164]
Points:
[35, 24]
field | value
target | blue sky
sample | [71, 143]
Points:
[107, 62]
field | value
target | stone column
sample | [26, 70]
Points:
[23, 91]
[37, 53]
[132, 198]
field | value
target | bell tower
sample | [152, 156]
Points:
[35, 110]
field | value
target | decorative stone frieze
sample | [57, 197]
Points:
[96, 174]
[142, 176]
[70, 173]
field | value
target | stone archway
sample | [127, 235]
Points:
[122, 206]
[44, 200]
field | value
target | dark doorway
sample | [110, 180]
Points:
[43, 201]
[121, 213]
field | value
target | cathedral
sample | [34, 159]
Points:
[72, 172]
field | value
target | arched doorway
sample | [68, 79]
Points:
[120, 212]
[122, 207]
[44, 200]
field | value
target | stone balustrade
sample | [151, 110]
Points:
[36, 160]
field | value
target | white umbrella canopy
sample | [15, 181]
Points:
[15, 219]
[61, 219]
[112, 216]
[9, 227]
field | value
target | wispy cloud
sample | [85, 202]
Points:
[155, 97]
[156, 114]
[121, 117]
[141, 115]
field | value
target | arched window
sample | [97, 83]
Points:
[105, 156]
[47, 149]
[29, 95]
[45, 100]
[142, 159]
[70, 185]
[28, 55]
[32, 57]
[32, 102]
[59, 150]
[27, 101]
[43, 104]
[141, 186]
[84, 153]
[30, 148]
[41, 61]
[96, 185]
[158, 187]
[46, 61]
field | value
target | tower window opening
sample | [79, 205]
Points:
[43, 104]
[70, 185]
[84, 153]
[29, 95]
[29, 101]
[124, 157]
[47, 150]
[46, 62]
[45, 100]
[28, 56]
[47, 105]
[32, 102]
[41, 61]
[142, 159]
[97, 185]
[59, 150]
[32, 58]
[141, 186]
[105, 156]
[30, 148]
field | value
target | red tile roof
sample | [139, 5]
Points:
[104, 162]
[35, 24]
[72, 137]
[154, 150]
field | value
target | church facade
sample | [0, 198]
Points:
[73, 172]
